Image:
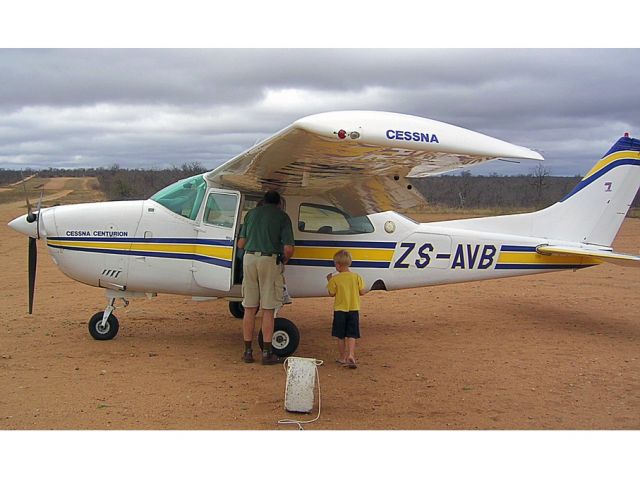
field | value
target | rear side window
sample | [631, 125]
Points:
[326, 219]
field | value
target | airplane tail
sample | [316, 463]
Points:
[591, 213]
[594, 210]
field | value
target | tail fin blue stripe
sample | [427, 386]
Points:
[624, 144]
[587, 181]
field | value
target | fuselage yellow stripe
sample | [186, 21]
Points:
[535, 258]
[223, 252]
[357, 254]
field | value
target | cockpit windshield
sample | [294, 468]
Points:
[183, 197]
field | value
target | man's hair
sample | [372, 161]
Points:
[342, 257]
[272, 197]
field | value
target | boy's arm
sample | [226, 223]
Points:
[361, 287]
[331, 285]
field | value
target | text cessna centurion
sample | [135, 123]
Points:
[340, 174]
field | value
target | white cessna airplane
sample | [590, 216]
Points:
[340, 174]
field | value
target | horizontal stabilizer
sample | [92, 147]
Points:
[608, 256]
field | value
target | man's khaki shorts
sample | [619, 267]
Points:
[263, 282]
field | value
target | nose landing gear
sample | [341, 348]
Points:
[104, 325]
[102, 329]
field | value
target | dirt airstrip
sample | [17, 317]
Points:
[550, 351]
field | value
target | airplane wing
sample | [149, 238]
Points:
[604, 255]
[361, 160]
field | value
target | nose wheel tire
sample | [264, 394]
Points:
[286, 337]
[106, 332]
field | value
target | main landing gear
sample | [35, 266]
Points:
[236, 309]
[286, 336]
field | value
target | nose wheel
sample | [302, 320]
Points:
[104, 325]
[103, 330]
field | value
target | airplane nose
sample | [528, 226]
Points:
[21, 225]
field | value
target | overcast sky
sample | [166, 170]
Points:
[157, 108]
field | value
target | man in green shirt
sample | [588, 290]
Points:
[267, 238]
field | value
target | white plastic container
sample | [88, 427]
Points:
[301, 380]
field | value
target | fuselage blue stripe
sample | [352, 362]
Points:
[587, 181]
[542, 266]
[347, 244]
[155, 254]
[329, 263]
[94, 239]
[514, 248]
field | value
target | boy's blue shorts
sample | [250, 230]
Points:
[346, 324]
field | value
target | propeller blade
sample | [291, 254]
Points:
[33, 259]
[30, 216]
[38, 215]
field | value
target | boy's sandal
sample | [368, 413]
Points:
[340, 361]
[351, 364]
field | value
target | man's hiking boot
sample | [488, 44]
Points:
[247, 357]
[268, 359]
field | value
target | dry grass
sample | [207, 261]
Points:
[63, 191]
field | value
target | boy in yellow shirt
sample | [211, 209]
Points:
[346, 287]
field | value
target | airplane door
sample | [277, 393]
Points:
[213, 258]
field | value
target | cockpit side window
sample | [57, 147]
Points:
[325, 219]
[183, 197]
[221, 210]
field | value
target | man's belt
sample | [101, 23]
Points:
[259, 253]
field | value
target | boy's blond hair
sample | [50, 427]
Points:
[342, 257]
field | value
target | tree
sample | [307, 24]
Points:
[465, 187]
[539, 176]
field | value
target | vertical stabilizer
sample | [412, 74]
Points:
[594, 210]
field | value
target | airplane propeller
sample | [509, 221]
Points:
[33, 259]
[33, 249]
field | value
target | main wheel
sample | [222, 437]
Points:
[236, 309]
[103, 333]
[286, 337]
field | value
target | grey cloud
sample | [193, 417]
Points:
[154, 108]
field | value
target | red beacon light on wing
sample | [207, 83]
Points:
[342, 134]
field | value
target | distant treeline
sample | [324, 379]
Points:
[122, 184]
[116, 183]
[468, 191]
[465, 191]
[533, 191]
